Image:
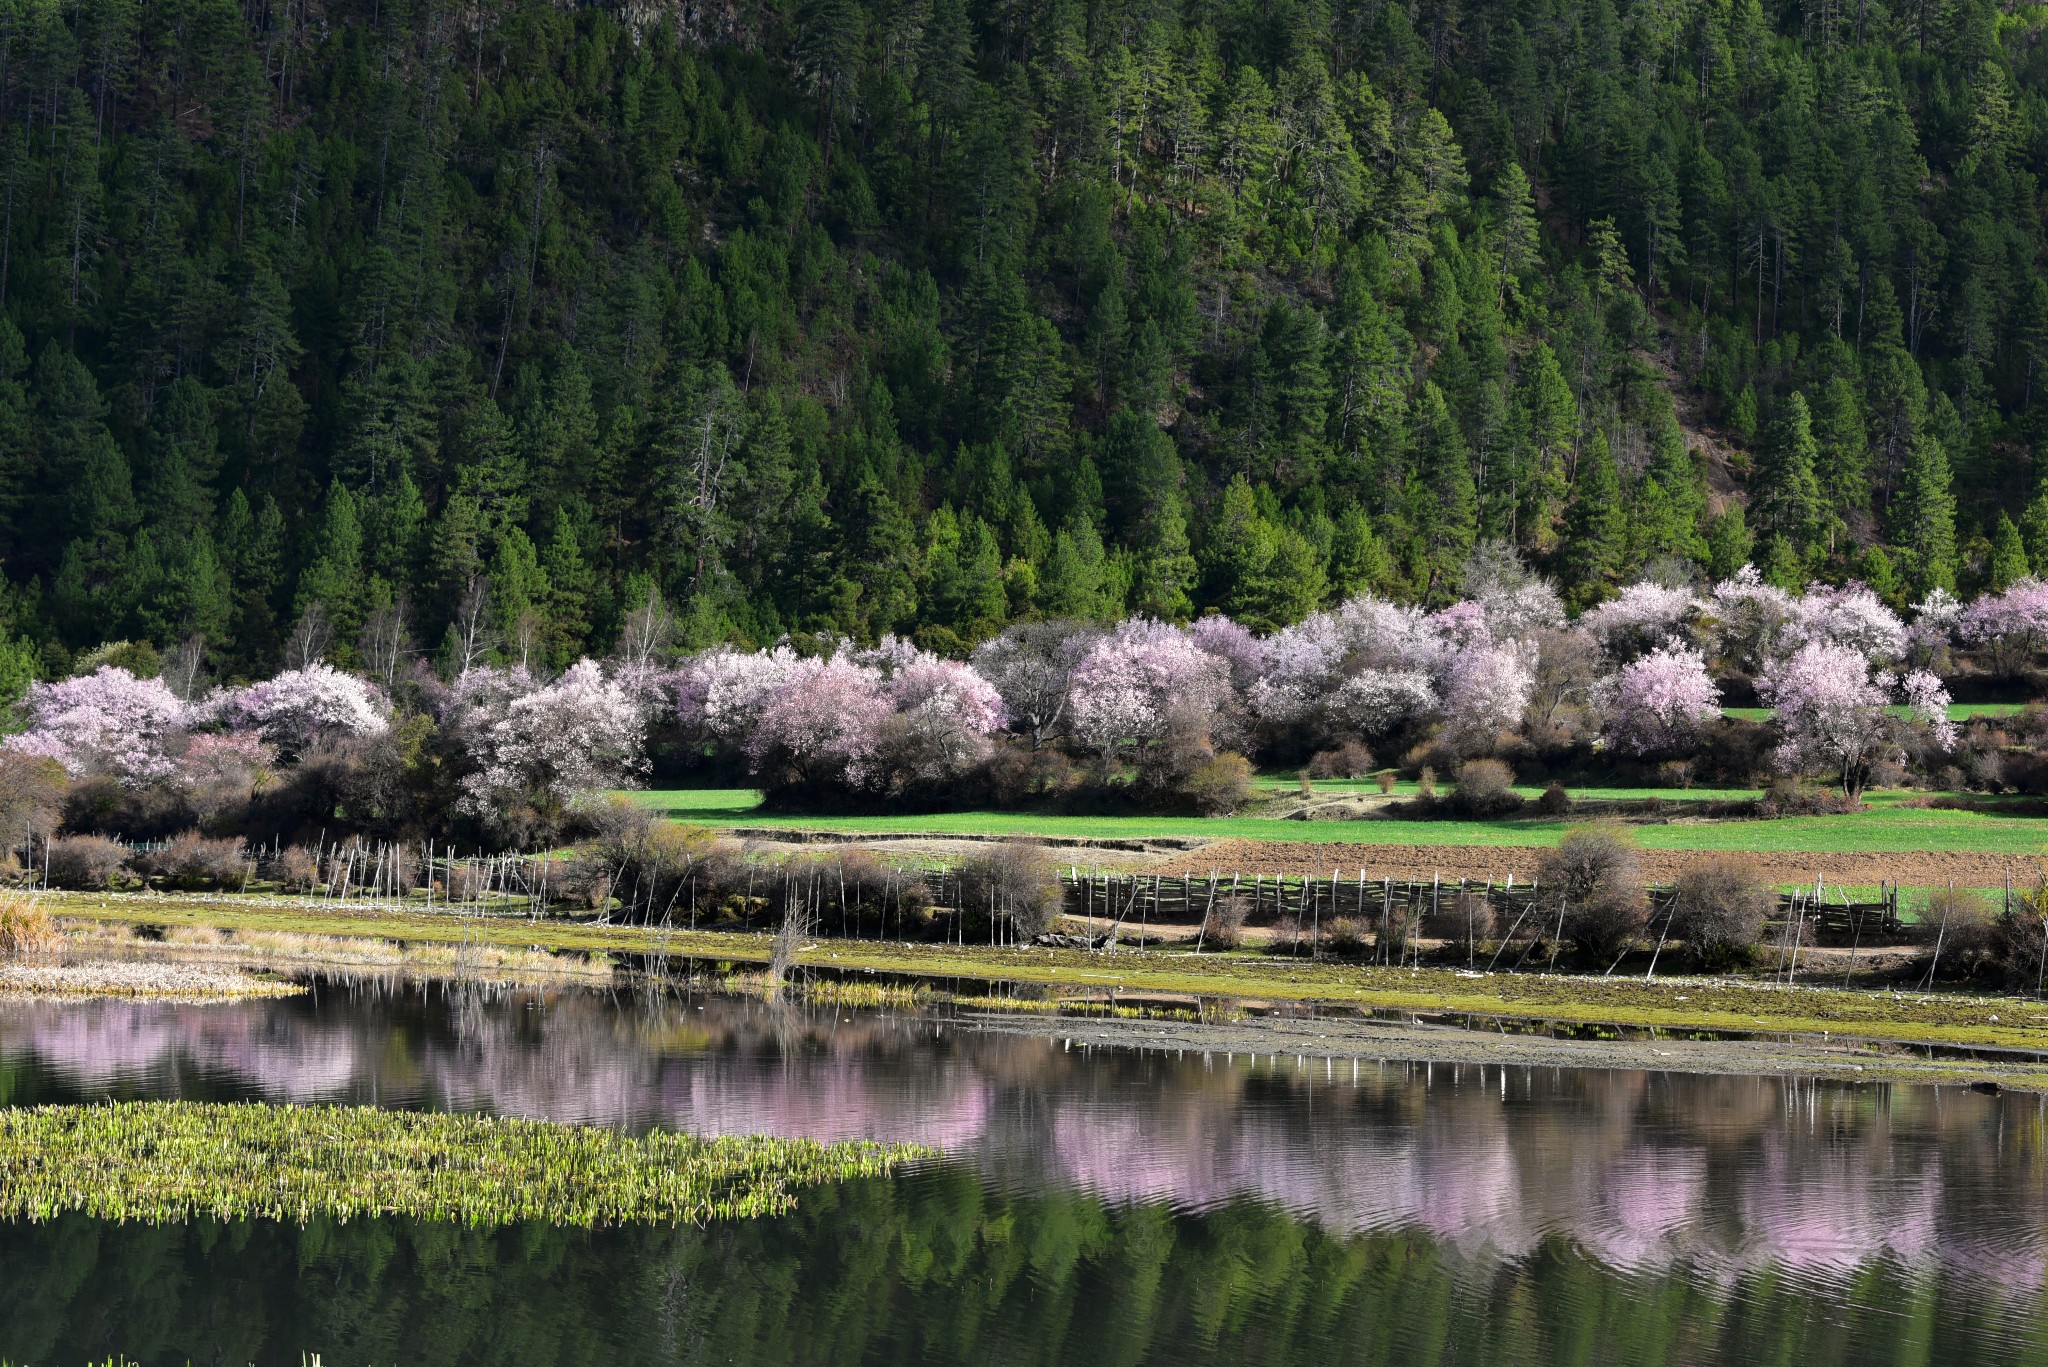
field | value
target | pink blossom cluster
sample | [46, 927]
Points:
[1658, 702]
[1486, 690]
[2014, 624]
[1639, 618]
[1127, 686]
[301, 706]
[1850, 616]
[827, 719]
[581, 733]
[1833, 713]
[107, 723]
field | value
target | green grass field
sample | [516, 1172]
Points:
[1962, 711]
[1886, 827]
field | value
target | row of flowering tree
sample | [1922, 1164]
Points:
[1145, 704]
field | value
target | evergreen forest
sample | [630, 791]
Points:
[367, 328]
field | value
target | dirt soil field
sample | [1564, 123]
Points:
[1909, 869]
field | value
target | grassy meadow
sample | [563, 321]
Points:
[1888, 826]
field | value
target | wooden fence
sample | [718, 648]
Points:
[1187, 900]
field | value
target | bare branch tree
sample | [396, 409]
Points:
[310, 639]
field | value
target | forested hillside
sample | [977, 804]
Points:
[375, 325]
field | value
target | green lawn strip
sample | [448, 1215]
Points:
[164, 1162]
[1877, 831]
[1961, 711]
[1679, 1005]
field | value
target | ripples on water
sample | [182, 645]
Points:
[1228, 1208]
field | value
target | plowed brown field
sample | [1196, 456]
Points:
[1909, 869]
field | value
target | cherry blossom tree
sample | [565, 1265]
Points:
[722, 693]
[1659, 702]
[106, 723]
[947, 693]
[580, 734]
[1486, 690]
[1031, 665]
[1750, 619]
[822, 725]
[1832, 713]
[1850, 616]
[1233, 643]
[301, 706]
[1126, 688]
[2013, 625]
[1640, 618]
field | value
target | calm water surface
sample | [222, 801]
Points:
[1098, 1206]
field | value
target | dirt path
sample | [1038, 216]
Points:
[1911, 868]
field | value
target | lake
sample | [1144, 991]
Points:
[1096, 1205]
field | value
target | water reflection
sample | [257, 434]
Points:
[1643, 1173]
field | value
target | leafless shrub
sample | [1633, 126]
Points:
[1592, 882]
[295, 868]
[1223, 924]
[1349, 760]
[1019, 880]
[1485, 787]
[192, 862]
[1718, 911]
[87, 863]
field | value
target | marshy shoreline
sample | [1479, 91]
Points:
[1323, 1046]
[1215, 1003]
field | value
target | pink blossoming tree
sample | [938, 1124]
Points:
[106, 723]
[301, 706]
[1127, 686]
[1660, 702]
[1832, 713]
[582, 733]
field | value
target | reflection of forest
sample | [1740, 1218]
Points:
[1642, 1171]
[939, 1268]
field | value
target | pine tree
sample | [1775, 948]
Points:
[2034, 533]
[569, 591]
[1074, 583]
[2008, 555]
[1443, 505]
[1595, 527]
[1728, 542]
[333, 578]
[1923, 518]
[1785, 510]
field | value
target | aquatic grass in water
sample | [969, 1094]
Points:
[173, 1161]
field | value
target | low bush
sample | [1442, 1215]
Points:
[1019, 881]
[1219, 785]
[1591, 880]
[1463, 921]
[1718, 911]
[1223, 924]
[1790, 797]
[294, 868]
[1343, 936]
[1555, 801]
[1485, 788]
[87, 863]
[193, 863]
[1349, 760]
[1958, 927]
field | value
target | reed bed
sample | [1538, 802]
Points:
[168, 1162]
[128, 978]
[830, 991]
